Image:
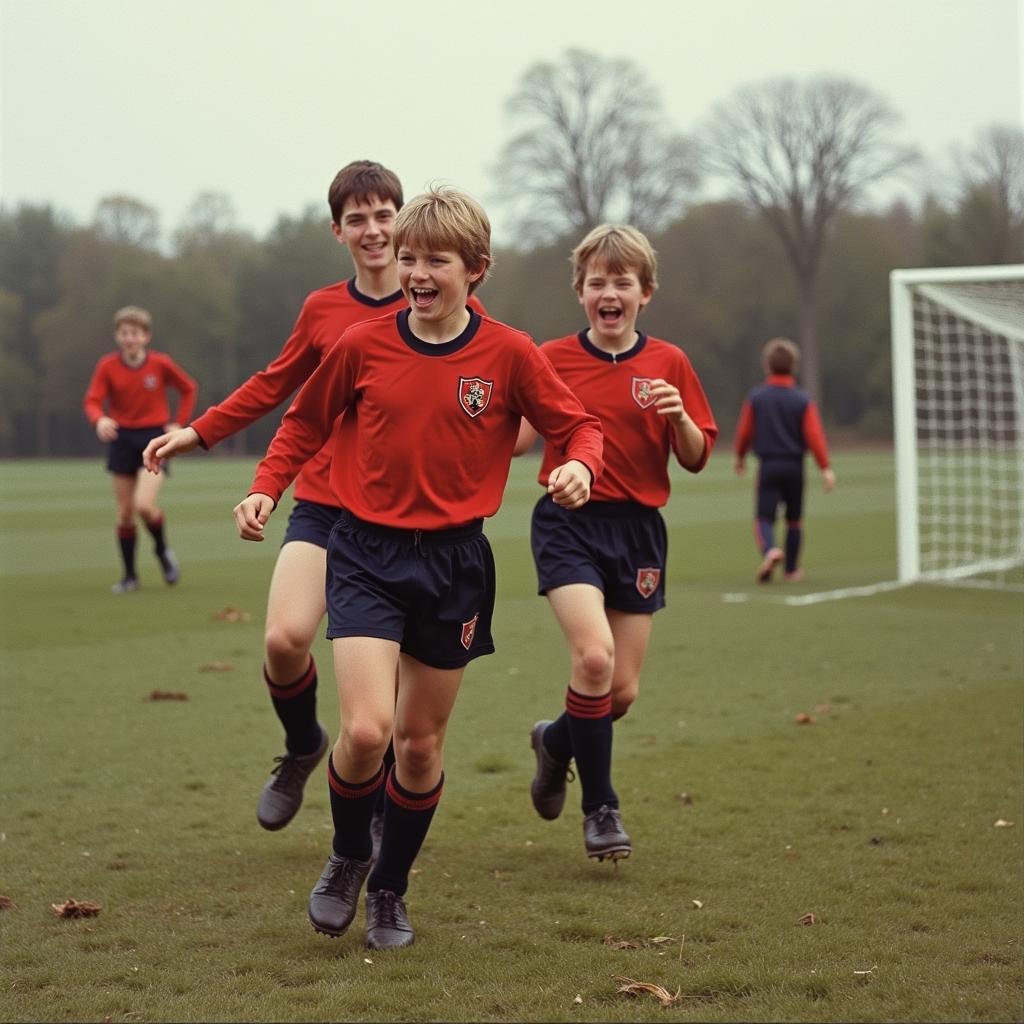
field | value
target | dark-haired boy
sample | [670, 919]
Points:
[780, 422]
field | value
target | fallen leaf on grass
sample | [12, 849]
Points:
[76, 908]
[217, 666]
[632, 987]
[167, 695]
[230, 614]
[868, 971]
[685, 799]
[578, 1001]
[6, 903]
[808, 919]
[1003, 823]
[614, 943]
[803, 719]
[698, 904]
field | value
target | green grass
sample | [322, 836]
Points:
[878, 818]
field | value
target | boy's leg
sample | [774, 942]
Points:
[766, 506]
[579, 609]
[365, 672]
[124, 490]
[794, 499]
[631, 633]
[295, 608]
[426, 697]
[147, 490]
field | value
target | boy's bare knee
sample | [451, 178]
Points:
[284, 644]
[364, 739]
[417, 754]
[596, 663]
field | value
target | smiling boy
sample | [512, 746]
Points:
[602, 567]
[432, 397]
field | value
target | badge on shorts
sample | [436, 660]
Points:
[647, 581]
[474, 394]
[469, 631]
[641, 389]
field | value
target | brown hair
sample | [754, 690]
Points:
[361, 180]
[780, 355]
[446, 219]
[134, 315]
[620, 249]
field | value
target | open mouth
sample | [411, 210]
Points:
[374, 247]
[609, 314]
[423, 297]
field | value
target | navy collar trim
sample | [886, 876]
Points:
[612, 357]
[447, 348]
[366, 300]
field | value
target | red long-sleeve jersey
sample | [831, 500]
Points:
[326, 314]
[428, 431]
[136, 396]
[779, 420]
[615, 388]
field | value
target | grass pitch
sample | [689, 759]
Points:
[878, 817]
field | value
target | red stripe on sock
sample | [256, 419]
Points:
[348, 791]
[415, 801]
[126, 531]
[300, 685]
[581, 705]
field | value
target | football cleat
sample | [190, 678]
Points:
[771, 559]
[126, 586]
[333, 901]
[169, 566]
[281, 797]
[547, 790]
[604, 836]
[387, 924]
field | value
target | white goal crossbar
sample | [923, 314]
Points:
[958, 397]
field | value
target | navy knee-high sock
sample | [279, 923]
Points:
[295, 704]
[352, 807]
[126, 542]
[766, 534]
[794, 537]
[590, 726]
[156, 531]
[407, 818]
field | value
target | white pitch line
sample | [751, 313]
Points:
[839, 595]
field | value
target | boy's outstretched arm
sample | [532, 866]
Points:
[569, 484]
[251, 515]
[166, 446]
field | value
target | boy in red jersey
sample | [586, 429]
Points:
[364, 199]
[780, 422]
[126, 403]
[603, 567]
[433, 397]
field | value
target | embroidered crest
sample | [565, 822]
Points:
[150, 381]
[474, 394]
[469, 631]
[647, 581]
[641, 387]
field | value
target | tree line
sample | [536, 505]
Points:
[789, 248]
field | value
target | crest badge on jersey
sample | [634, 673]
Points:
[641, 389]
[647, 581]
[150, 381]
[469, 631]
[474, 395]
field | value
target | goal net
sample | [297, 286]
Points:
[958, 395]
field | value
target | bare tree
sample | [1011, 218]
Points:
[127, 221]
[800, 153]
[991, 200]
[592, 146]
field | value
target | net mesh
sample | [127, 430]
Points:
[969, 397]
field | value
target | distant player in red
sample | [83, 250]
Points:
[603, 567]
[780, 423]
[432, 397]
[126, 403]
[364, 199]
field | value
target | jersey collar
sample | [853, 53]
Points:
[425, 348]
[612, 357]
[366, 300]
[780, 380]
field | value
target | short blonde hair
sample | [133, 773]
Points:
[620, 249]
[781, 356]
[134, 315]
[444, 218]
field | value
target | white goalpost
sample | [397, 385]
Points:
[958, 397]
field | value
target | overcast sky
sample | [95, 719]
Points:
[265, 99]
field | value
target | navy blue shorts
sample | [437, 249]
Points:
[124, 453]
[780, 482]
[619, 547]
[432, 591]
[312, 522]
